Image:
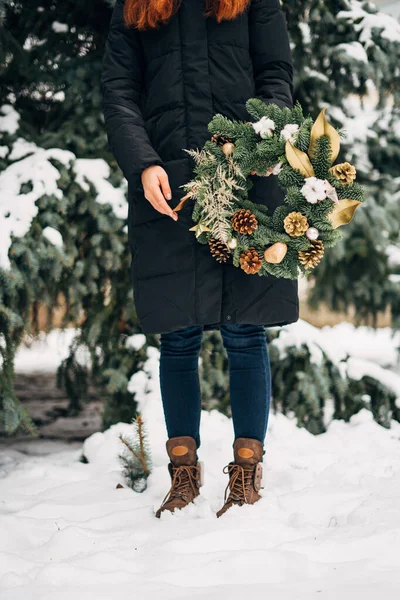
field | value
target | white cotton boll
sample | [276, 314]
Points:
[312, 233]
[289, 132]
[264, 127]
[277, 168]
[314, 190]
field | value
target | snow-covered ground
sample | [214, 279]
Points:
[328, 524]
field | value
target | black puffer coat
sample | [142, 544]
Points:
[160, 90]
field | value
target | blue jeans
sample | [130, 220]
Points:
[249, 379]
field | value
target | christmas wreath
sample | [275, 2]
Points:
[320, 196]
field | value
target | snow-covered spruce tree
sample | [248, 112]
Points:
[304, 377]
[346, 56]
[52, 69]
[64, 242]
[14, 304]
[69, 246]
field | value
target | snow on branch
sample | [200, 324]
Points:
[9, 119]
[18, 206]
[368, 23]
[96, 171]
[32, 174]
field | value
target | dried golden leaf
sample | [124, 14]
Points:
[323, 127]
[299, 160]
[343, 212]
[183, 201]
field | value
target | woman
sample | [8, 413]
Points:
[169, 66]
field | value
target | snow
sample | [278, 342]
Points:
[393, 253]
[328, 522]
[32, 42]
[44, 353]
[343, 340]
[18, 209]
[53, 236]
[312, 73]
[356, 351]
[365, 23]
[22, 148]
[59, 96]
[357, 121]
[379, 346]
[354, 50]
[306, 33]
[396, 128]
[9, 119]
[135, 341]
[96, 171]
[367, 351]
[59, 27]
[358, 368]
[33, 166]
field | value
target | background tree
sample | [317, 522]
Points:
[346, 56]
[72, 245]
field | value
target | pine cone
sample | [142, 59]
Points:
[219, 250]
[311, 257]
[295, 224]
[243, 221]
[345, 172]
[220, 139]
[250, 262]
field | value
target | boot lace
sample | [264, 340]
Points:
[240, 480]
[183, 482]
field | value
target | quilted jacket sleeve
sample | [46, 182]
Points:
[121, 85]
[271, 54]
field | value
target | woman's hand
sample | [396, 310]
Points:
[156, 190]
[260, 174]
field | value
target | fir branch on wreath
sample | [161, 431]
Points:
[301, 152]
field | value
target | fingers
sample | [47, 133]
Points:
[260, 174]
[159, 203]
[164, 181]
[156, 189]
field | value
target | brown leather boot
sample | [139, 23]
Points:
[185, 471]
[245, 474]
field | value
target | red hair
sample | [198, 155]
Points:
[149, 14]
